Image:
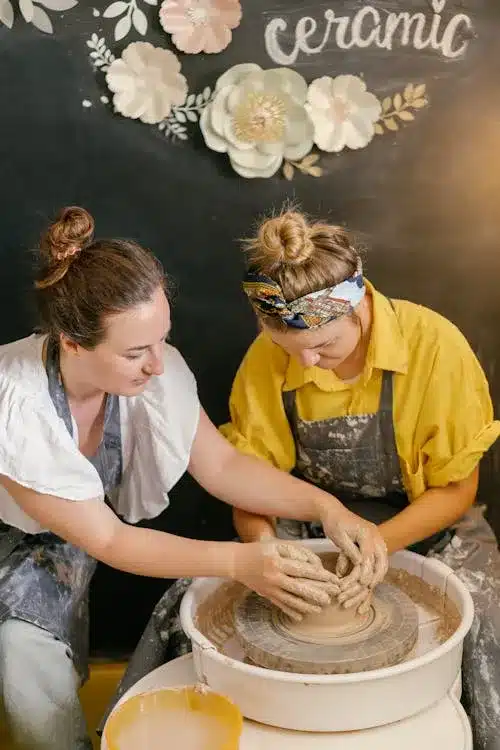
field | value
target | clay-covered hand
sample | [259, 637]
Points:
[358, 596]
[287, 574]
[361, 546]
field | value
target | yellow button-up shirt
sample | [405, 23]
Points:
[442, 410]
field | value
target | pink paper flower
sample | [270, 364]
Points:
[200, 25]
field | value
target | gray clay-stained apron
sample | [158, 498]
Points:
[43, 579]
[354, 458]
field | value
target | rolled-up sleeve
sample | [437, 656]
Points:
[456, 422]
[258, 424]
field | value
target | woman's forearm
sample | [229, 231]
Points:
[92, 526]
[157, 554]
[435, 510]
[251, 527]
[250, 483]
[255, 486]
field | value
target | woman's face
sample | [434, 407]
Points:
[326, 347]
[131, 353]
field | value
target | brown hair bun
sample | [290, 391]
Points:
[62, 242]
[73, 228]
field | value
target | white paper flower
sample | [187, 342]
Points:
[344, 113]
[259, 118]
[146, 82]
[200, 25]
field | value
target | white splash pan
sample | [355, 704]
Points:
[444, 726]
[336, 703]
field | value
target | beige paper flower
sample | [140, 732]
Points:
[146, 82]
[200, 25]
[344, 113]
[258, 118]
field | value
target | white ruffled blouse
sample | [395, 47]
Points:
[36, 450]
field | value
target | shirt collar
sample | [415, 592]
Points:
[387, 350]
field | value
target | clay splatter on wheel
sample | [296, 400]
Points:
[338, 642]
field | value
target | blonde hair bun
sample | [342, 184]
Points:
[285, 240]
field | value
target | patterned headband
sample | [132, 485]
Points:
[312, 310]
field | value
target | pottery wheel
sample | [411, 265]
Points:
[334, 642]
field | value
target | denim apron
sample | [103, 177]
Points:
[43, 579]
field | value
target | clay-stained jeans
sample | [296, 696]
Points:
[39, 690]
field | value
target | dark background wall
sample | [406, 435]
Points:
[425, 201]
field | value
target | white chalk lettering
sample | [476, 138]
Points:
[451, 32]
[373, 37]
[411, 31]
[368, 28]
[341, 31]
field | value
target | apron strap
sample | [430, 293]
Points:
[290, 407]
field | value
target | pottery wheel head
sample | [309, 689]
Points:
[336, 641]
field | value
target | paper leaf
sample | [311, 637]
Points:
[151, 2]
[192, 116]
[309, 160]
[115, 9]
[315, 171]
[408, 92]
[379, 130]
[391, 124]
[288, 171]
[6, 13]
[179, 115]
[386, 104]
[140, 21]
[398, 102]
[58, 4]
[41, 20]
[419, 91]
[27, 9]
[123, 27]
[419, 103]
[405, 115]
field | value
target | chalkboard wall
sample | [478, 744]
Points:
[423, 194]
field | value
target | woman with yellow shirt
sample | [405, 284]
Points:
[380, 402]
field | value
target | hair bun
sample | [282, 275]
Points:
[67, 235]
[286, 240]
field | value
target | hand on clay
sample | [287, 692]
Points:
[356, 595]
[287, 574]
[361, 546]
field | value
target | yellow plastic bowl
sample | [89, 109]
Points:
[184, 717]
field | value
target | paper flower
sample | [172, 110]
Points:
[146, 82]
[258, 118]
[200, 25]
[343, 112]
